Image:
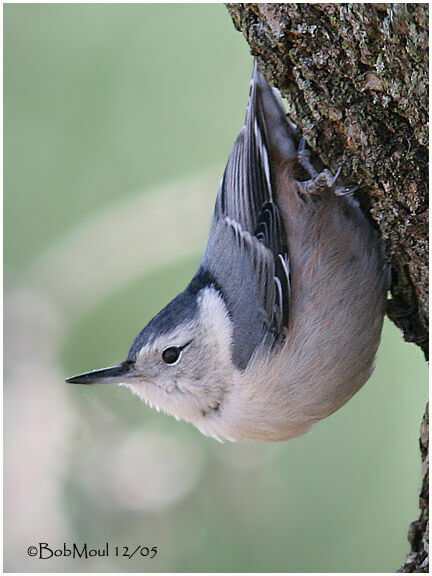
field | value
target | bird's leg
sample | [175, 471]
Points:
[303, 157]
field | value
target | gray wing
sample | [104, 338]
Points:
[247, 253]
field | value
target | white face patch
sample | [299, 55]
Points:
[213, 315]
[194, 386]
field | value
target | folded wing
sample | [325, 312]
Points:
[247, 252]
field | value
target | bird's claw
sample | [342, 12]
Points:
[336, 176]
[347, 191]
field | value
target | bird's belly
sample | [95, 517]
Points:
[283, 399]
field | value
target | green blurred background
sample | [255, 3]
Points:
[118, 123]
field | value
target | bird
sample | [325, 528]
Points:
[281, 323]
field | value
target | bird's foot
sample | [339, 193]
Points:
[320, 180]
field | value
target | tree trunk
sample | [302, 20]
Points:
[356, 78]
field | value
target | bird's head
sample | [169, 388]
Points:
[181, 361]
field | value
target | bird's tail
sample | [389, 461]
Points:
[280, 134]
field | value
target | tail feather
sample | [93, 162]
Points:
[280, 136]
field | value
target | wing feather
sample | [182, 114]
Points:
[247, 251]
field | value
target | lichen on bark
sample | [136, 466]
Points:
[356, 80]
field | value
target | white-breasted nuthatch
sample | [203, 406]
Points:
[280, 325]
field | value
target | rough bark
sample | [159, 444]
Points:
[356, 79]
[418, 535]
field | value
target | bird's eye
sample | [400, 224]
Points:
[171, 355]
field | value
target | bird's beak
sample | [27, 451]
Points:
[115, 374]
